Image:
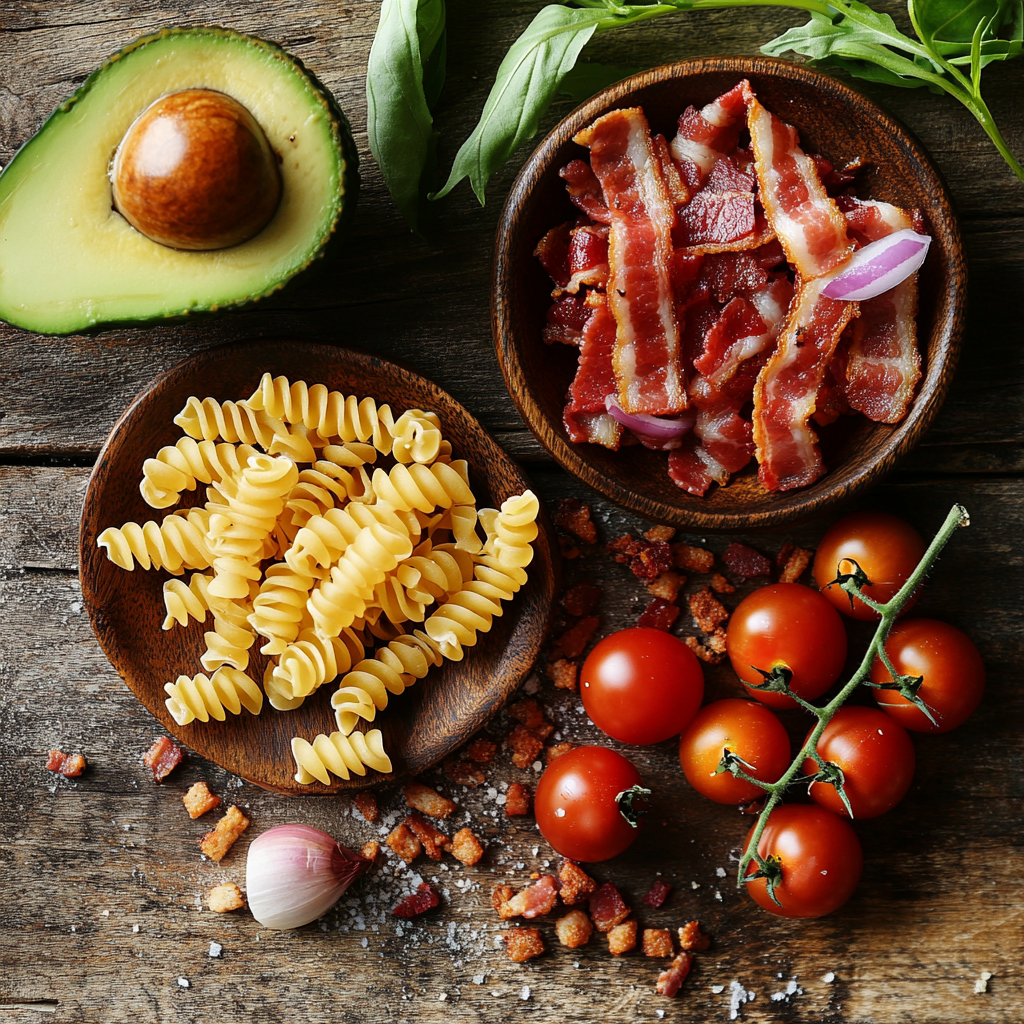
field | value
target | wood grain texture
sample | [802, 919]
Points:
[831, 119]
[942, 891]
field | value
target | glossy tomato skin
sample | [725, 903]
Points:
[821, 861]
[746, 728]
[575, 803]
[641, 685]
[954, 674]
[883, 545]
[877, 759]
[791, 625]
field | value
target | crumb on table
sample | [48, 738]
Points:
[466, 847]
[216, 844]
[367, 804]
[622, 938]
[224, 898]
[658, 942]
[427, 801]
[162, 758]
[523, 944]
[574, 930]
[199, 800]
[404, 843]
[517, 800]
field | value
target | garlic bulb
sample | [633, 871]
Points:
[295, 873]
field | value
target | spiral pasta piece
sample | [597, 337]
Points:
[417, 437]
[202, 698]
[279, 607]
[339, 755]
[208, 420]
[423, 488]
[175, 544]
[227, 643]
[430, 574]
[515, 529]
[184, 602]
[178, 467]
[310, 662]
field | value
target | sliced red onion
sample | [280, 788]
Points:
[652, 430]
[879, 266]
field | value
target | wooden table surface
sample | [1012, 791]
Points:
[102, 909]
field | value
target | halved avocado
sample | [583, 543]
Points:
[69, 260]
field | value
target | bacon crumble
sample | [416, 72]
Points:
[659, 614]
[581, 599]
[573, 515]
[667, 586]
[607, 908]
[576, 884]
[658, 894]
[708, 612]
[525, 746]
[216, 844]
[745, 562]
[367, 804]
[622, 938]
[482, 751]
[423, 899]
[692, 938]
[795, 565]
[434, 841]
[534, 900]
[523, 944]
[574, 930]
[670, 980]
[575, 639]
[69, 765]
[198, 800]
[517, 800]
[162, 757]
[658, 942]
[404, 843]
[427, 801]
[692, 559]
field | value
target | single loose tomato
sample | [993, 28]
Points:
[787, 626]
[746, 729]
[883, 545]
[877, 759]
[576, 806]
[953, 672]
[818, 859]
[641, 685]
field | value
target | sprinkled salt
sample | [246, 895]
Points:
[829, 978]
[524, 992]
[215, 948]
[717, 989]
[442, 997]
[479, 979]
[791, 989]
[183, 983]
[537, 766]
[981, 985]
[135, 928]
[720, 872]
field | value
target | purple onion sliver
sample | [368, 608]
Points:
[879, 266]
[653, 428]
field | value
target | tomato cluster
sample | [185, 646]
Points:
[643, 686]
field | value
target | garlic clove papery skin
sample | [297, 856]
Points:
[295, 873]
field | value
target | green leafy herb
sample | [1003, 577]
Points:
[949, 26]
[404, 77]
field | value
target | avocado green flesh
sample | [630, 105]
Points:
[69, 261]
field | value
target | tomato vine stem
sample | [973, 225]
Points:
[890, 611]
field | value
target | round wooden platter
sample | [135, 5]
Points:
[832, 119]
[420, 727]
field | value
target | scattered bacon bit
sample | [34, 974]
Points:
[574, 930]
[674, 975]
[428, 801]
[574, 516]
[745, 562]
[692, 559]
[563, 673]
[715, 640]
[664, 533]
[607, 908]
[500, 895]
[720, 585]
[574, 640]
[222, 899]
[581, 599]
[784, 552]
[534, 900]
[216, 844]
[646, 559]
[659, 614]
[692, 938]
[482, 751]
[622, 545]
[434, 841]
[523, 943]
[622, 938]
[525, 746]
[795, 566]
[163, 757]
[198, 800]
[576, 883]
[667, 585]
[756, 807]
[557, 750]
[466, 847]
[567, 548]
[464, 773]
[367, 804]
[708, 612]
[66, 764]
[370, 851]
[702, 652]
[517, 800]
[658, 894]
[423, 899]
[404, 842]
[529, 712]
[658, 942]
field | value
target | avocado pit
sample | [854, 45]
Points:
[195, 171]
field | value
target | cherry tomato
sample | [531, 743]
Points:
[820, 858]
[790, 626]
[884, 546]
[575, 803]
[877, 759]
[748, 730]
[954, 675]
[641, 685]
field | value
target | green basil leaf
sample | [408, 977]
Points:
[406, 58]
[586, 79]
[949, 27]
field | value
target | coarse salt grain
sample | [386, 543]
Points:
[183, 983]
[442, 996]
[479, 979]
[981, 985]
[215, 948]
[135, 928]
[717, 989]
[829, 978]
[720, 872]
[524, 992]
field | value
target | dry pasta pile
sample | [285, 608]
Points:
[303, 543]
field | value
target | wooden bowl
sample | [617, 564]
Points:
[832, 119]
[126, 608]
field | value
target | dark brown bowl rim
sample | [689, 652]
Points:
[949, 323]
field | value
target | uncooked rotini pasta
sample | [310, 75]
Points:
[177, 543]
[423, 488]
[178, 467]
[417, 437]
[210, 420]
[515, 530]
[311, 661]
[202, 697]
[280, 606]
[339, 755]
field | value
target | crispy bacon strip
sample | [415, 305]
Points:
[553, 253]
[786, 389]
[585, 417]
[705, 136]
[807, 222]
[565, 320]
[883, 364]
[585, 190]
[640, 254]
[587, 258]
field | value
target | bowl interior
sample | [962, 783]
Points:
[422, 725]
[832, 120]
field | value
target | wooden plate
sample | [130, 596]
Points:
[832, 119]
[126, 608]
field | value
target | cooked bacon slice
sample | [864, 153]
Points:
[716, 218]
[640, 254]
[705, 136]
[534, 900]
[786, 389]
[883, 364]
[586, 418]
[565, 320]
[553, 252]
[678, 191]
[692, 468]
[831, 401]
[585, 190]
[587, 258]
[807, 222]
